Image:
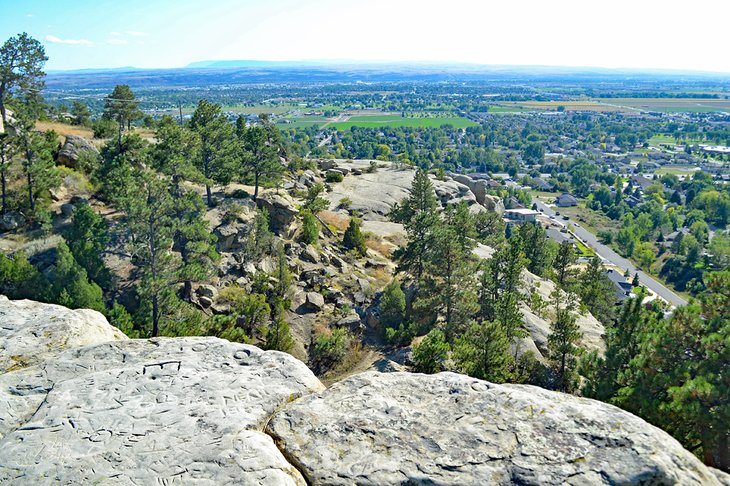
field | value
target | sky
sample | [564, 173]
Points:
[653, 34]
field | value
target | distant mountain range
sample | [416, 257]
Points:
[212, 72]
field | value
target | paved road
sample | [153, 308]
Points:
[614, 258]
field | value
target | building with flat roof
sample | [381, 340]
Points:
[521, 214]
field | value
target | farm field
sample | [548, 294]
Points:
[673, 105]
[567, 105]
[375, 121]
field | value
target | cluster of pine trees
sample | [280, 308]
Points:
[672, 371]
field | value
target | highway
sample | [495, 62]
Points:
[610, 256]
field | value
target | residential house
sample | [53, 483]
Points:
[622, 286]
[566, 200]
[521, 214]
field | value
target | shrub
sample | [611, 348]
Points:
[393, 305]
[430, 354]
[334, 176]
[310, 228]
[104, 128]
[329, 349]
[354, 239]
[345, 203]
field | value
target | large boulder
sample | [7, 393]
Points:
[449, 429]
[282, 212]
[72, 149]
[167, 410]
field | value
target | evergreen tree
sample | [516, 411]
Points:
[393, 305]
[564, 266]
[121, 105]
[87, 239]
[281, 291]
[277, 335]
[38, 163]
[176, 151]
[679, 378]
[192, 239]
[262, 147]
[216, 161]
[430, 354]
[419, 217]
[597, 292]
[536, 247]
[310, 228]
[70, 285]
[148, 221]
[260, 240]
[447, 287]
[19, 279]
[604, 375]
[483, 352]
[313, 201]
[562, 347]
[21, 70]
[353, 238]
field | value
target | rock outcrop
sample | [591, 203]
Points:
[449, 429]
[282, 212]
[72, 149]
[140, 411]
[74, 410]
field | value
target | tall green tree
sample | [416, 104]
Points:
[193, 239]
[38, 162]
[148, 220]
[176, 151]
[564, 266]
[418, 213]
[88, 237]
[216, 160]
[21, 78]
[430, 354]
[353, 238]
[536, 247]
[70, 285]
[679, 379]
[393, 305]
[483, 352]
[121, 105]
[596, 291]
[262, 146]
[562, 341]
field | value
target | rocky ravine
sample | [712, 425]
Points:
[76, 410]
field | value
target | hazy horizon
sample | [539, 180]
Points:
[650, 35]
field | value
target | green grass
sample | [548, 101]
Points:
[689, 109]
[377, 121]
[507, 109]
[676, 170]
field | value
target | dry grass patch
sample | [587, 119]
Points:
[62, 129]
[376, 243]
[334, 220]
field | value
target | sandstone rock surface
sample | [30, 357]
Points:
[72, 149]
[449, 429]
[166, 410]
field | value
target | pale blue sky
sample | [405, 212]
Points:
[669, 34]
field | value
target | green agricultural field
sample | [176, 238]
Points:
[376, 121]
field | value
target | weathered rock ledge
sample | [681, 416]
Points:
[76, 410]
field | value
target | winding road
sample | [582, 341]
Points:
[610, 256]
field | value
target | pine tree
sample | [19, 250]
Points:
[353, 238]
[70, 284]
[430, 354]
[176, 151]
[121, 105]
[536, 247]
[260, 240]
[448, 284]
[562, 347]
[564, 266]
[419, 217]
[277, 335]
[393, 305]
[148, 220]
[483, 352]
[597, 292]
[192, 239]
[87, 239]
[262, 147]
[216, 158]
[310, 228]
